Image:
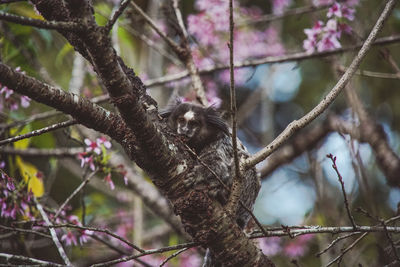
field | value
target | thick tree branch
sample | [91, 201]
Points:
[51, 25]
[83, 110]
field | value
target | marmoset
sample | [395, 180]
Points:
[205, 132]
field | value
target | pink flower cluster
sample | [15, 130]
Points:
[10, 99]
[95, 156]
[92, 149]
[210, 27]
[71, 237]
[324, 37]
[14, 200]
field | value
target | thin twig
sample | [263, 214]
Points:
[328, 99]
[291, 12]
[173, 256]
[394, 249]
[338, 258]
[336, 241]
[47, 114]
[186, 56]
[10, 1]
[316, 229]
[147, 252]
[180, 19]
[237, 179]
[27, 231]
[372, 74]
[94, 229]
[248, 63]
[76, 191]
[42, 152]
[38, 132]
[50, 25]
[272, 59]
[154, 26]
[28, 260]
[346, 202]
[53, 234]
[123, 5]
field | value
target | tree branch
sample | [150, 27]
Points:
[50, 25]
[328, 99]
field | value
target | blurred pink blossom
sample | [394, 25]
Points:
[298, 246]
[69, 238]
[279, 6]
[270, 246]
[109, 181]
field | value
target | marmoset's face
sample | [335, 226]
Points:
[188, 124]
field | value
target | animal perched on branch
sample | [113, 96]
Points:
[205, 132]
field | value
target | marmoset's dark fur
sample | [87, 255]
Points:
[208, 135]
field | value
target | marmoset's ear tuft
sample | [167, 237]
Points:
[213, 117]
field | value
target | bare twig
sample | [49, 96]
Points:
[147, 252]
[338, 258]
[38, 132]
[269, 60]
[291, 12]
[27, 231]
[346, 203]
[53, 234]
[328, 99]
[173, 256]
[237, 179]
[394, 249]
[154, 26]
[10, 1]
[335, 241]
[51, 25]
[186, 56]
[28, 260]
[94, 229]
[295, 231]
[39, 152]
[123, 5]
[372, 74]
[76, 191]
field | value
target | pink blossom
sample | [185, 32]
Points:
[87, 159]
[327, 43]
[348, 12]
[109, 181]
[82, 156]
[270, 246]
[125, 177]
[85, 234]
[25, 101]
[335, 11]
[92, 146]
[69, 238]
[103, 141]
[74, 220]
[298, 247]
